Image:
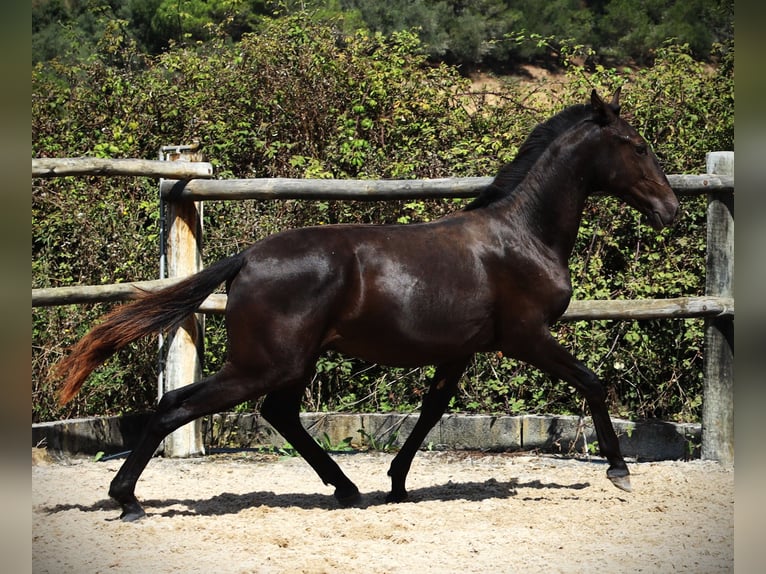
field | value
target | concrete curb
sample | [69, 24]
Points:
[646, 440]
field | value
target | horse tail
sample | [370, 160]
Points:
[151, 313]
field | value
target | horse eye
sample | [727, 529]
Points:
[641, 148]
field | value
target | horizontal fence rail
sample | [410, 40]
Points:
[379, 189]
[56, 167]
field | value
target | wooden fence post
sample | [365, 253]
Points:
[183, 361]
[718, 401]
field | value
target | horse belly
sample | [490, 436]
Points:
[411, 339]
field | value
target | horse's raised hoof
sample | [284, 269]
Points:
[348, 496]
[622, 482]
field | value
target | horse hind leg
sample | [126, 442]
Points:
[221, 391]
[442, 389]
[281, 409]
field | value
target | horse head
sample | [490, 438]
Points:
[627, 167]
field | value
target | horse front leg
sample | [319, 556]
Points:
[549, 356]
[442, 389]
[281, 409]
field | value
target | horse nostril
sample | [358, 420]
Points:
[676, 211]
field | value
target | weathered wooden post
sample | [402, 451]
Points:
[718, 403]
[182, 257]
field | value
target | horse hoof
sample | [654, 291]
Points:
[348, 498]
[131, 513]
[622, 482]
[394, 497]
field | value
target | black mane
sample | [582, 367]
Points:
[512, 174]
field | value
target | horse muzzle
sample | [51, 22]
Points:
[661, 218]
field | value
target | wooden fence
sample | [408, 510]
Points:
[188, 185]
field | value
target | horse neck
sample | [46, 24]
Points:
[551, 199]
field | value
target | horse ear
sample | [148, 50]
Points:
[615, 103]
[603, 114]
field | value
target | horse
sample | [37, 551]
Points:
[491, 277]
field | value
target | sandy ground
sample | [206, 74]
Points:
[469, 512]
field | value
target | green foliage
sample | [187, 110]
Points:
[632, 30]
[327, 444]
[304, 99]
[482, 32]
[387, 445]
[471, 34]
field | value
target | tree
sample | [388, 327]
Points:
[159, 22]
[480, 32]
[633, 30]
[68, 30]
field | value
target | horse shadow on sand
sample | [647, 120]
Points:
[230, 503]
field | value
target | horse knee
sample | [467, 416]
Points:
[595, 392]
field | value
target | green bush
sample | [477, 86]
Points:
[301, 99]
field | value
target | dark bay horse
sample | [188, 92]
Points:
[492, 277]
